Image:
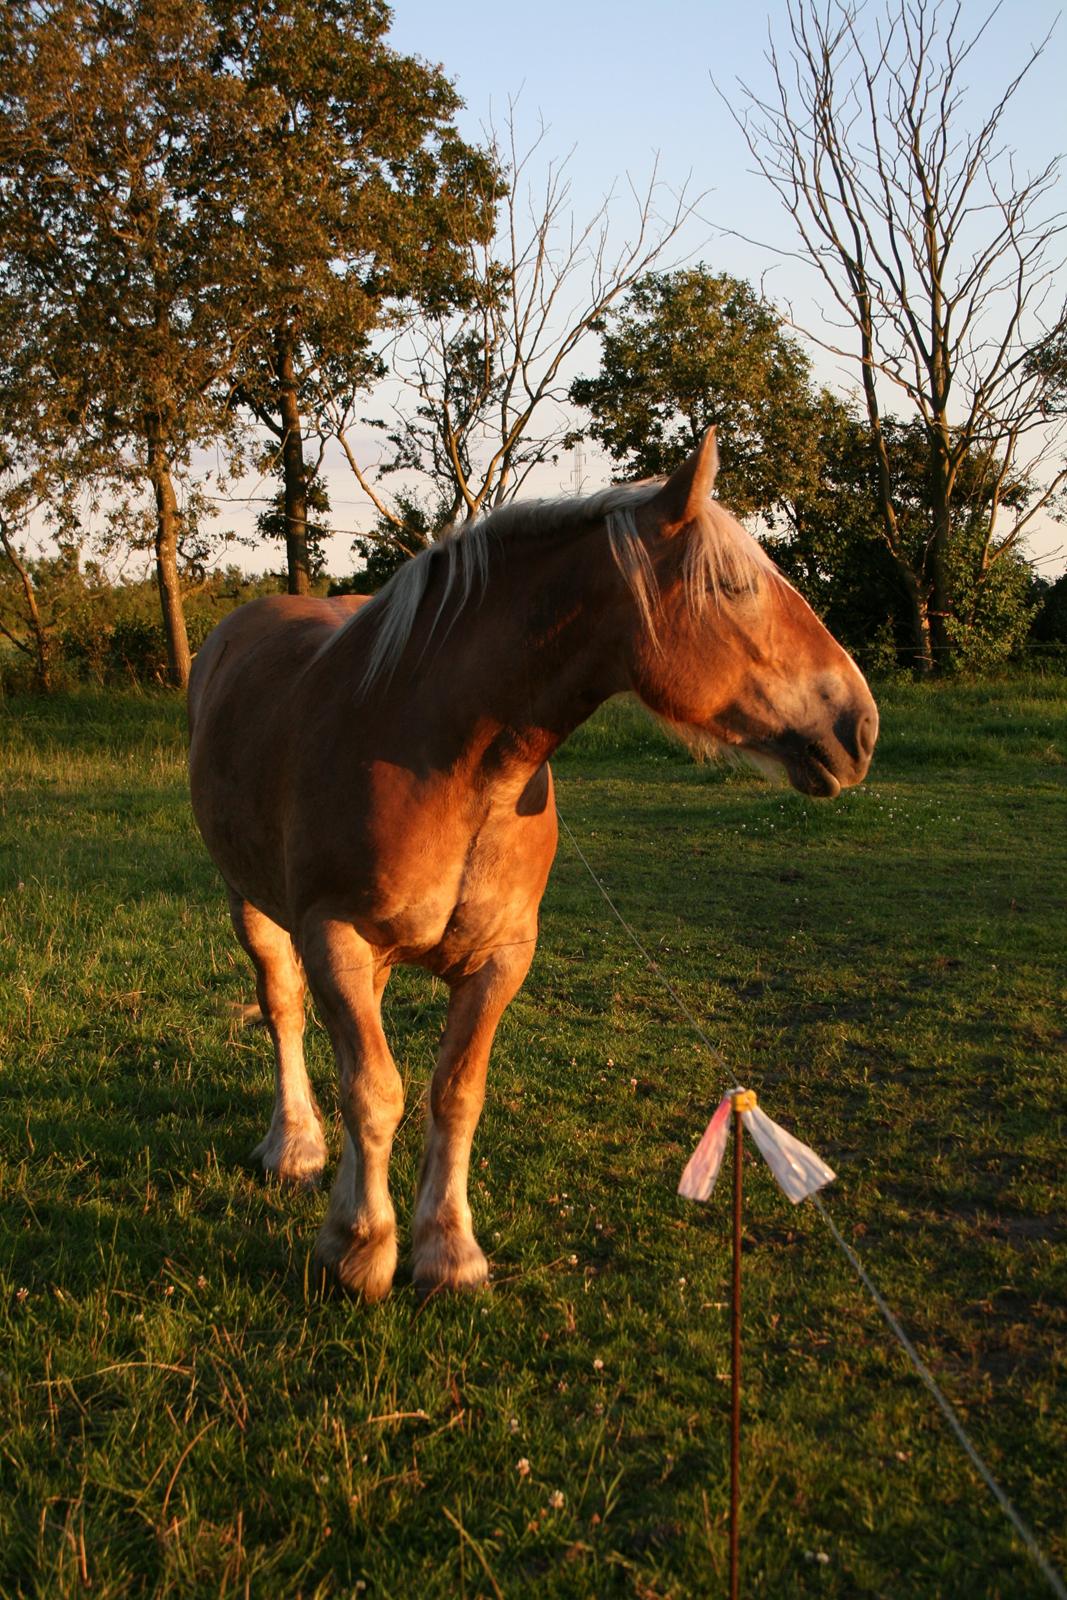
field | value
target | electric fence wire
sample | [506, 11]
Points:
[1030, 1543]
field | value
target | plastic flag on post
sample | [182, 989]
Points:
[799, 1172]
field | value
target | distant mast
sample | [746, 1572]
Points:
[578, 469]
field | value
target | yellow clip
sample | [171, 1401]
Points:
[743, 1100]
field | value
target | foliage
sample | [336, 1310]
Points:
[273, 523]
[35, 598]
[1050, 621]
[109, 117]
[688, 349]
[691, 348]
[354, 192]
[104, 632]
[183, 1415]
[409, 526]
[832, 547]
[207, 202]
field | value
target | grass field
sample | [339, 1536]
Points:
[181, 1415]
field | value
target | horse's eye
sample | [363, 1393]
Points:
[738, 588]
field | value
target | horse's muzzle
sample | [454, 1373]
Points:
[823, 766]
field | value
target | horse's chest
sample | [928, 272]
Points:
[430, 870]
[447, 907]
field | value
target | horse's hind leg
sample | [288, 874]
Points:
[446, 1253]
[294, 1149]
[357, 1242]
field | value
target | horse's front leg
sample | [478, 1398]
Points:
[357, 1242]
[446, 1253]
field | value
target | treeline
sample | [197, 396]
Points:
[224, 225]
[690, 347]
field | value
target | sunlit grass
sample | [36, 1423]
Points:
[181, 1414]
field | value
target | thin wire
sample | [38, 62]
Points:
[1032, 1547]
[716, 1055]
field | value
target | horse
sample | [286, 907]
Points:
[371, 777]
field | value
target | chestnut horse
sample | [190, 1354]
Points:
[372, 780]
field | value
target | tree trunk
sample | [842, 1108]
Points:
[922, 641]
[919, 619]
[293, 468]
[166, 544]
[940, 546]
[42, 654]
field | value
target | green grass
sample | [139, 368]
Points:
[179, 1413]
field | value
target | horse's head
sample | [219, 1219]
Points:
[727, 651]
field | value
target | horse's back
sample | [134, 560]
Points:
[263, 645]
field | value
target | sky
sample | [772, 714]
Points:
[624, 85]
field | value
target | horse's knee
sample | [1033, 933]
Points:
[372, 1100]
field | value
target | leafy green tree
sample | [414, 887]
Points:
[352, 192]
[397, 534]
[42, 470]
[690, 348]
[274, 523]
[827, 542]
[831, 546]
[108, 117]
[35, 601]
[1050, 618]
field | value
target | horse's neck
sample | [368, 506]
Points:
[523, 665]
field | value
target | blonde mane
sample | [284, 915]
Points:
[719, 556]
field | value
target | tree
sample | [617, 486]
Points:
[30, 610]
[32, 485]
[484, 383]
[690, 348]
[942, 264]
[107, 115]
[384, 549]
[275, 523]
[352, 192]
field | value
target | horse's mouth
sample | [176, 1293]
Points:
[812, 776]
[806, 767]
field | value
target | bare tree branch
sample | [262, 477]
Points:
[482, 390]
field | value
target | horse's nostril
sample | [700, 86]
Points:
[856, 734]
[866, 734]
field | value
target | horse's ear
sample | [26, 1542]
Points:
[689, 487]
